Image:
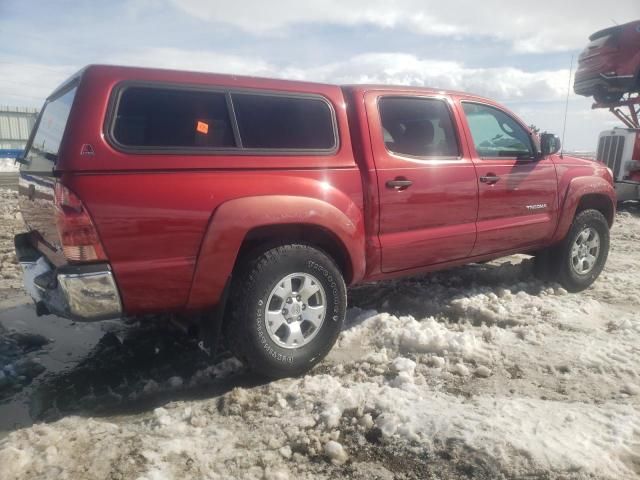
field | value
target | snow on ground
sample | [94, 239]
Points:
[10, 224]
[479, 372]
[8, 165]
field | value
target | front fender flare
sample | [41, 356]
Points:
[232, 220]
[578, 188]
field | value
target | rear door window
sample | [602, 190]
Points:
[419, 127]
[149, 117]
[279, 122]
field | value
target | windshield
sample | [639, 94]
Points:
[43, 150]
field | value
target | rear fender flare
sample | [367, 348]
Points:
[234, 219]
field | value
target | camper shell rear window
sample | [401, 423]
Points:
[41, 153]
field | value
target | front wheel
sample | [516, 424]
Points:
[289, 305]
[578, 261]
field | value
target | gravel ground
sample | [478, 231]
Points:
[478, 372]
[10, 224]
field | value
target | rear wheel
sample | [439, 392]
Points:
[579, 259]
[288, 309]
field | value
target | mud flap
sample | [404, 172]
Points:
[210, 325]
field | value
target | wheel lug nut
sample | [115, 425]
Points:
[284, 311]
[289, 300]
[304, 306]
[298, 298]
[300, 318]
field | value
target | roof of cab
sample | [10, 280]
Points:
[414, 89]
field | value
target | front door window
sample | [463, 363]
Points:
[496, 134]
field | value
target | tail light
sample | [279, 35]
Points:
[78, 235]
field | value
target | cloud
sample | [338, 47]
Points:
[541, 26]
[502, 83]
[195, 60]
[26, 83]
[536, 96]
[583, 123]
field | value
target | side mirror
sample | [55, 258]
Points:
[549, 144]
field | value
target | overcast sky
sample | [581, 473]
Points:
[514, 51]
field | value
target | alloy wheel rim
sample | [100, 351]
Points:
[585, 251]
[295, 311]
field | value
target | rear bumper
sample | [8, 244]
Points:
[586, 84]
[627, 190]
[77, 292]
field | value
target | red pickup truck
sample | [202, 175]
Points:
[259, 200]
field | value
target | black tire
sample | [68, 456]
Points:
[555, 263]
[252, 287]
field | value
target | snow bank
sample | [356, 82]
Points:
[255, 431]
[8, 165]
[526, 434]
[405, 335]
[491, 368]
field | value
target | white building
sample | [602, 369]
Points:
[15, 125]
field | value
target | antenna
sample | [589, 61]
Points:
[566, 107]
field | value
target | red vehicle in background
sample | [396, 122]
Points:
[252, 203]
[609, 66]
[609, 70]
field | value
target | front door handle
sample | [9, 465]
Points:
[399, 183]
[489, 179]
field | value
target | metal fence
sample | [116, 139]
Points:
[15, 126]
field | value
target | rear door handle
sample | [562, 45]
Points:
[399, 183]
[489, 179]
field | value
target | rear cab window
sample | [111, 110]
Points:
[182, 119]
[42, 150]
[418, 127]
